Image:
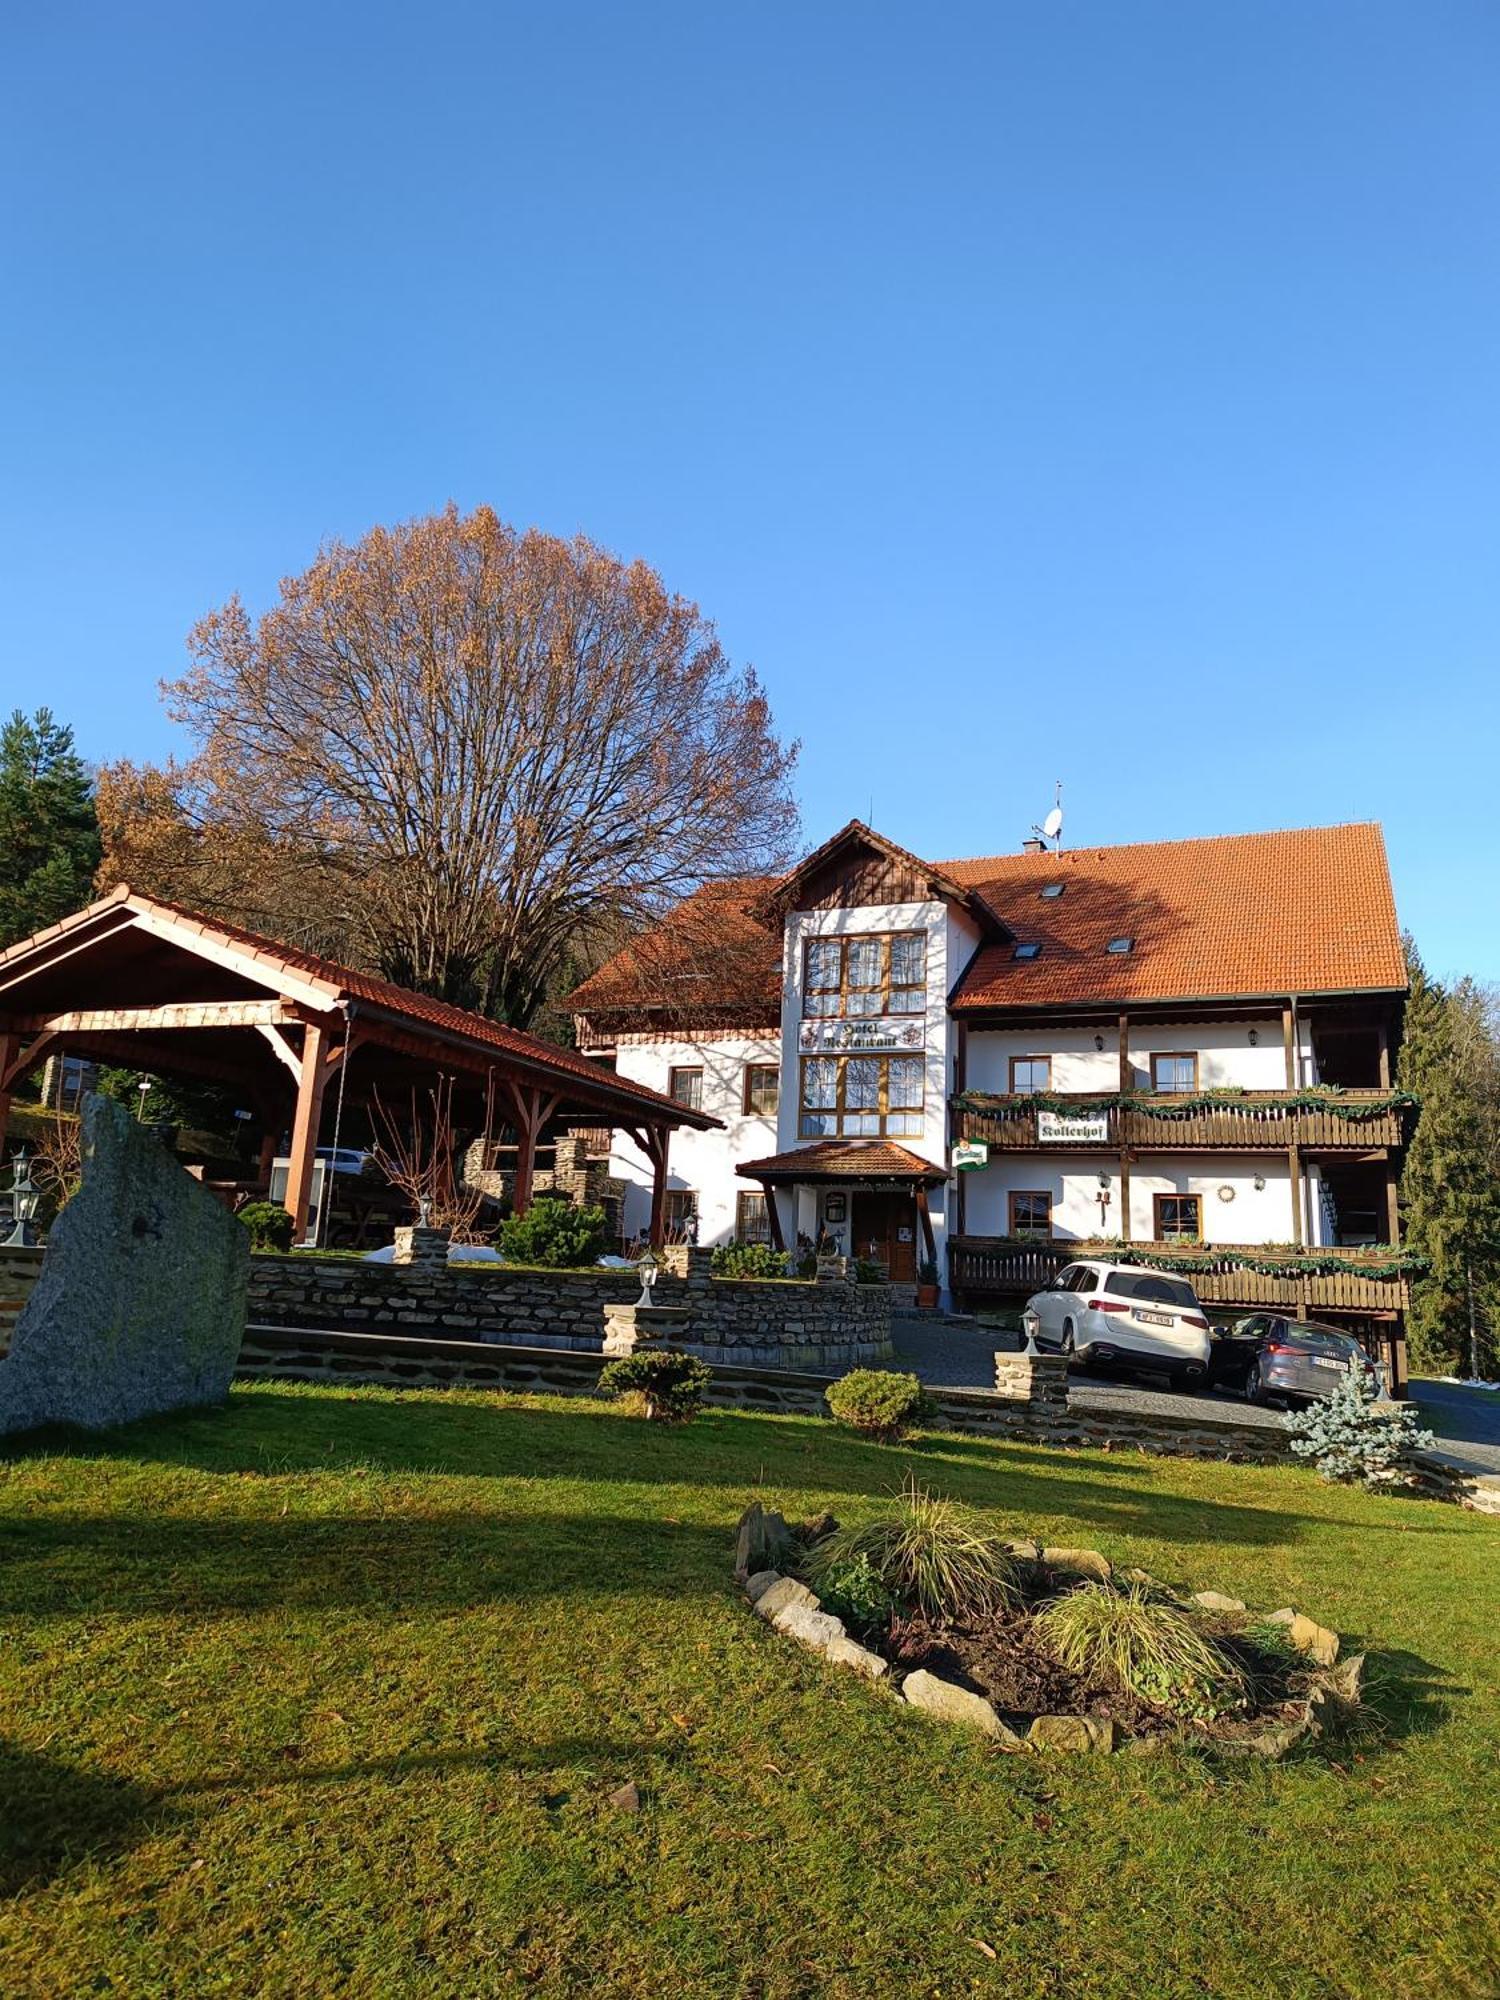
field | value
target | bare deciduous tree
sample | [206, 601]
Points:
[498, 743]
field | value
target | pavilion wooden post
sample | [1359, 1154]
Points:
[532, 1109]
[773, 1217]
[924, 1216]
[305, 1124]
[10, 1051]
[266, 1158]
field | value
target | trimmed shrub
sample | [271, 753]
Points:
[877, 1403]
[554, 1234]
[269, 1225]
[1129, 1639]
[748, 1260]
[1349, 1437]
[868, 1272]
[928, 1555]
[670, 1384]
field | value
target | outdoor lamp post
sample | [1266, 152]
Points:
[144, 1087]
[25, 1199]
[646, 1272]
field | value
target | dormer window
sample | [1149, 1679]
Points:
[1052, 891]
[1025, 951]
[1121, 946]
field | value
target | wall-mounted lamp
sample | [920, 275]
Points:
[1103, 1179]
[1254, 1037]
[1260, 1183]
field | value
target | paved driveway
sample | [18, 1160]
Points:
[1467, 1421]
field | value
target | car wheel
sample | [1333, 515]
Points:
[1067, 1344]
[1254, 1391]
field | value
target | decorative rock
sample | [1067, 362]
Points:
[1286, 1616]
[140, 1305]
[1274, 1743]
[1215, 1600]
[817, 1629]
[627, 1798]
[951, 1703]
[777, 1596]
[1071, 1732]
[1315, 1640]
[763, 1541]
[848, 1652]
[1082, 1562]
[756, 1586]
[1347, 1681]
[1027, 1551]
[818, 1529]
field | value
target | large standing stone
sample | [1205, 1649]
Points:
[141, 1303]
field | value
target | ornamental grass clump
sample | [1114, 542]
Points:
[1350, 1438]
[1128, 1639]
[927, 1555]
[877, 1403]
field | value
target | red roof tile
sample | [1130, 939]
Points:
[853, 1159]
[710, 955]
[1236, 916]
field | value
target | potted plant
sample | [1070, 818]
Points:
[927, 1283]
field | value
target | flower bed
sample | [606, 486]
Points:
[1045, 1648]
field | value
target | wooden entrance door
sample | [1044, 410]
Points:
[885, 1231]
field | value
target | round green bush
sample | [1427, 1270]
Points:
[670, 1383]
[748, 1260]
[269, 1225]
[878, 1403]
[554, 1234]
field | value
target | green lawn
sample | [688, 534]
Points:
[327, 1693]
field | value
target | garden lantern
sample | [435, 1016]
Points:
[646, 1272]
[25, 1199]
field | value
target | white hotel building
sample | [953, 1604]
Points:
[1186, 1045]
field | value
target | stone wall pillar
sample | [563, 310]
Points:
[1038, 1380]
[421, 1248]
[689, 1261]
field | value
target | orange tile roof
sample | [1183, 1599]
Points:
[861, 1159]
[1233, 916]
[710, 955]
[342, 981]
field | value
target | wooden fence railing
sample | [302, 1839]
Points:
[1263, 1122]
[1003, 1267]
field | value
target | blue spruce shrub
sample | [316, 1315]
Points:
[1351, 1438]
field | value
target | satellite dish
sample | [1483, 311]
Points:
[1052, 824]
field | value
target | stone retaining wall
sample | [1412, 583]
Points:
[19, 1271]
[732, 1320]
[1436, 1473]
[398, 1361]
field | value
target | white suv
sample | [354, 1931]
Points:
[1125, 1313]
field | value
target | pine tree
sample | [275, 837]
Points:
[49, 836]
[1450, 1191]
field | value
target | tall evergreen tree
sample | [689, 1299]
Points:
[49, 835]
[1450, 1190]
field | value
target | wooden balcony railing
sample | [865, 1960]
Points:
[1351, 1121]
[1374, 1280]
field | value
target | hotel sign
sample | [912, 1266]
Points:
[1070, 1129]
[862, 1035]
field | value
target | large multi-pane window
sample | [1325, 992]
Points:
[862, 1096]
[865, 975]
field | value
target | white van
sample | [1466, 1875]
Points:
[1125, 1313]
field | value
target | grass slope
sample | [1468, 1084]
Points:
[326, 1692]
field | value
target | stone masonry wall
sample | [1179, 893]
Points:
[397, 1362]
[19, 1271]
[744, 1321]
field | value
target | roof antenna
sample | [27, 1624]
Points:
[1051, 826]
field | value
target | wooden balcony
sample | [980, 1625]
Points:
[1335, 1280]
[1352, 1121]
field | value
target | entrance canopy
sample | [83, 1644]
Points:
[147, 985]
[864, 1166]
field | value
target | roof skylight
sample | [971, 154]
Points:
[1052, 891]
[1027, 951]
[1120, 945]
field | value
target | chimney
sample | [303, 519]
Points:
[1033, 846]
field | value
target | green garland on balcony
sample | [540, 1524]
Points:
[1320, 1097]
[1272, 1261]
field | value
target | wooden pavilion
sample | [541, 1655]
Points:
[142, 983]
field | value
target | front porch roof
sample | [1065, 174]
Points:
[844, 1160]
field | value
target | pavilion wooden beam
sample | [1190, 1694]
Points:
[183, 1014]
[530, 1109]
[21, 1062]
[655, 1142]
[773, 1216]
[305, 1124]
[924, 1216]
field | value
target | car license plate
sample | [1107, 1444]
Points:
[1326, 1361]
[1155, 1319]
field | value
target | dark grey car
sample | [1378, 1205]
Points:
[1274, 1359]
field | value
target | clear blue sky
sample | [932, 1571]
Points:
[1099, 391]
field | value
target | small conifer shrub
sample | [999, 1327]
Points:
[1350, 1438]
